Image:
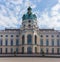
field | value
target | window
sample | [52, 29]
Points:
[52, 50]
[47, 50]
[35, 39]
[1, 35]
[47, 42]
[17, 35]
[41, 42]
[58, 50]
[6, 50]
[11, 35]
[29, 25]
[41, 50]
[6, 35]
[11, 50]
[24, 25]
[29, 21]
[52, 35]
[17, 42]
[6, 42]
[0, 50]
[23, 39]
[16, 50]
[29, 39]
[1, 42]
[57, 35]
[22, 49]
[58, 42]
[46, 35]
[11, 42]
[41, 36]
[52, 42]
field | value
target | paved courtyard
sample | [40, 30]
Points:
[30, 59]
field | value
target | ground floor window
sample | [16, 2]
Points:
[35, 49]
[11, 50]
[47, 50]
[0, 50]
[6, 50]
[29, 50]
[41, 50]
[16, 50]
[58, 50]
[52, 50]
[22, 49]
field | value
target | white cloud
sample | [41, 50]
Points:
[16, 1]
[12, 11]
[52, 21]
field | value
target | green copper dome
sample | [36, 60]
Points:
[29, 15]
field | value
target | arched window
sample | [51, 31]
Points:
[17, 50]
[29, 50]
[29, 39]
[22, 50]
[23, 39]
[35, 49]
[35, 39]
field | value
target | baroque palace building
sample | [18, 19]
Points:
[29, 38]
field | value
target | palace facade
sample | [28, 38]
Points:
[29, 38]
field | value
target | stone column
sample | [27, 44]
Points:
[25, 46]
[38, 43]
[33, 43]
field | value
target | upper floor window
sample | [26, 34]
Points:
[41, 42]
[17, 35]
[47, 42]
[1, 35]
[52, 42]
[11, 35]
[6, 35]
[41, 35]
[35, 39]
[29, 39]
[46, 35]
[11, 42]
[6, 42]
[23, 25]
[57, 35]
[1, 42]
[23, 39]
[52, 35]
[29, 21]
[17, 42]
[29, 25]
[58, 42]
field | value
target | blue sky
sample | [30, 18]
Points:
[47, 12]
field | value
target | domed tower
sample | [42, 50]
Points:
[29, 20]
[29, 32]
